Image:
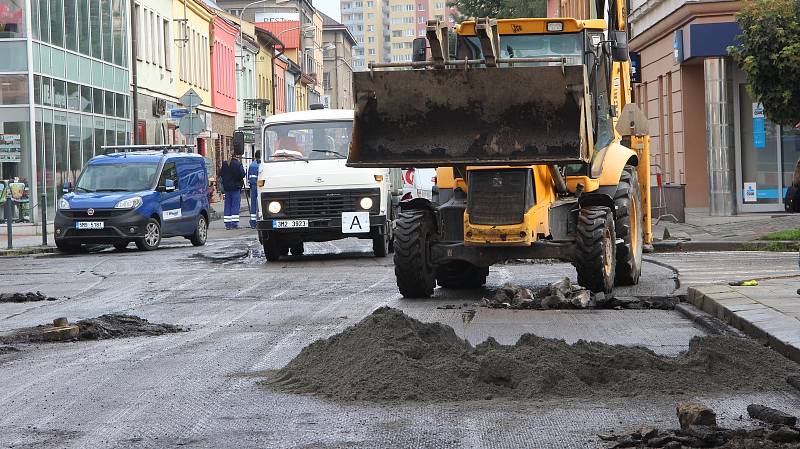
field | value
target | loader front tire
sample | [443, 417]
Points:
[461, 274]
[628, 227]
[595, 249]
[413, 267]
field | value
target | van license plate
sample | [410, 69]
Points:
[89, 225]
[279, 224]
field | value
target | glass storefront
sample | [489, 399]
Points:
[80, 95]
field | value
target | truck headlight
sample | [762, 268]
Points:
[129, 203]
[63, 204]
[366, 203]
[274, 207]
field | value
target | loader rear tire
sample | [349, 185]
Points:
[460, 274]
[628, 227]
[595, 249]
[413, 267]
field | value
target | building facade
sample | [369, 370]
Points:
[223, 86]
[337, 78]
[64, 90]
[711, 144]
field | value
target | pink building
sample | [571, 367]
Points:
[223, 86]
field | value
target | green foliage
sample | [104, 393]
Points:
[789, 234]
[769, 53]
[499, 9]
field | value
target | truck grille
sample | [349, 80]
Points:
[498, 197]
[322, 203]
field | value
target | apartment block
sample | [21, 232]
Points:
[384, 30]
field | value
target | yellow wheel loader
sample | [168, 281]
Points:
[539, 151]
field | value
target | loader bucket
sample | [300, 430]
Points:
[496, 116]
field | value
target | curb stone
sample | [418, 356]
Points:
[779, 331]
[27, 250]
[666, 246]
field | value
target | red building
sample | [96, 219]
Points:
[223, 85]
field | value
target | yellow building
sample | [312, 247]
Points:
[264, 73]
[193, 49]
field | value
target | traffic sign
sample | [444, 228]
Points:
[191, 99]
[191, 125]
[178, 113]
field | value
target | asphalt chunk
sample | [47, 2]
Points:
[390, 357]
[25, 297]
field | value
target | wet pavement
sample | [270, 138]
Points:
[198, 388]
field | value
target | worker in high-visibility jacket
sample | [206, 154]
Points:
[252, 178]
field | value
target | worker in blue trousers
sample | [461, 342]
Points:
[252, 179]
[232, 175]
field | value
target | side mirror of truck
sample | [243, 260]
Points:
[66, 187]
[619, 46]
[419, 49]
[238, 143]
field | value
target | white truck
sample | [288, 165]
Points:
[306, 193]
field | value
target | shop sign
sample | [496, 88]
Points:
[759, 129]
[750, 192]
[10, 148]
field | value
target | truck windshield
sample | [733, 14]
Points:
[569, 45]
[117, 177]
[307, 141]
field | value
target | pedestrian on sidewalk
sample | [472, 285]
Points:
[252, 179]
[232, 175]
[792, 200]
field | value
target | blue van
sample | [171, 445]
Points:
[135, 195]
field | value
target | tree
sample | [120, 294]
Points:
[769, 53]
[499, 9]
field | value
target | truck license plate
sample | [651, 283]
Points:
[279, 224]
[89, 225]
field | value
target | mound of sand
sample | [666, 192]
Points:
[389, 356]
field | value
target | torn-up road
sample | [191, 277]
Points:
[247, 318]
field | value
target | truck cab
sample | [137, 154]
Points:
[306, 193]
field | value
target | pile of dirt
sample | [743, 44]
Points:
[389, 356]
[100, 328]
[25, 297]
[117, 325]
[770, 429]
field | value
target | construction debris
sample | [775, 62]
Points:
[25, 297]
[699, 429]
[565, 295]
[770, 415]
[100, 328]
[389, 356]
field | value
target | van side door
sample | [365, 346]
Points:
[171, 209]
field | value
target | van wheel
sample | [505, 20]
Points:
[120, 246]
[67, 247]
[201, 232]
[298, 249]
[152, 236]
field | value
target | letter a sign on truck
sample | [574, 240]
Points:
[355, 222]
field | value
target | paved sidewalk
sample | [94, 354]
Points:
[702, 232]
[769, 311]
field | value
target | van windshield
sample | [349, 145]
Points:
[117, 177]
[307, 141]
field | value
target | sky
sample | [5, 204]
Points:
[330, 8]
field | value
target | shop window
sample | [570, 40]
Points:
[37, 89]
[13, 89]
[109, 100]
[44, 20]
[84, 36]
[94, 20]
[47, 91]
[59, 94]
[56, 24]
[105, 17]
[98, 101]
[86, 99]
[14, 56]
[71, 24]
